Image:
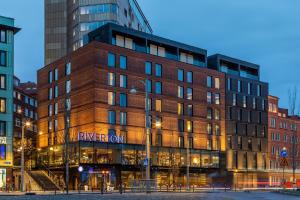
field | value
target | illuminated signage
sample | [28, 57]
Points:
[2, 140]
[98, 137]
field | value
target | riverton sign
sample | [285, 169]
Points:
[98, 137]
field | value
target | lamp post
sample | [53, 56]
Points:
[148, 134]
[24, 125]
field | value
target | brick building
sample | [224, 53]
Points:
[283, 133]
[93, 83]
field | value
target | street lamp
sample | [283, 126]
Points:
[148, 134]
[27, 124]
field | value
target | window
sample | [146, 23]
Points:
[273, 123]
[56, 74]
[123, 81]
[111, 79]
[189, 77]
[250, 144]
[158, 88]
[158, 105]
[244, 101]
[123, 118]
[217, 98]
[180, 92]
[50, 78]
[111, 60]
[259, 90]
[111, 117]
[245, 161]
[209, 81]
[189, 93]
[209, 129]
[189, 126]
[209, 113]
[190, 110]
[158, 70]
[111, 98]
[68, 86]
[49, 126]
[209, 144]
[2, 81]
[56, 91]
[49, 110]
[234, 99]
[159, 140]
[68, 104]
[3, 58]
[240, 144]
[180, 74]
[3, 36]
[55, 125]
[148, 68]
[123, 62]
[217, 114]
[2, 128]
[181, 142]
[123, 100]
[2, 105]
[229, 84]
[55, 108]
[191, 142]
[253, 103]
[217, 130]
[149, 85]
[217, 83]
[249, 88]
[239, 86]
[180, 108]
[68, 69]
[3, 151]
[180, 125]
[229, 142]
[209, 97]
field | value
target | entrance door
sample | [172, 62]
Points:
[2, 177]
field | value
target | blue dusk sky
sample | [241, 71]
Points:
[263, 32]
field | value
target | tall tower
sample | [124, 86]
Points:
[66, 22]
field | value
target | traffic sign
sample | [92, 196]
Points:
[283, 153]
[146, 162]
[284, 162]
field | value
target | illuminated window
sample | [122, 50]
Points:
[158, 105]
[111, 79]
[209, 129]
[189, 126]
[209, 97]
[180, 92]
[180, 108]
[2, 105]
[181, 142]
[217, 98]
[111, 98]
[189, 93]
[217, 83]
[123, 81]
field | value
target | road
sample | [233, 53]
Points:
[161, 196]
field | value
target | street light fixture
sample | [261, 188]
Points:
[148, 134]
[27, 124]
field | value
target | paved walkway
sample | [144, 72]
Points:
[161, 196]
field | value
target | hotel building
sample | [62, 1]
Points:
[283, 133]
[246, 104]
[107, 122]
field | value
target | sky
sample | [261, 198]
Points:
[265, 32]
